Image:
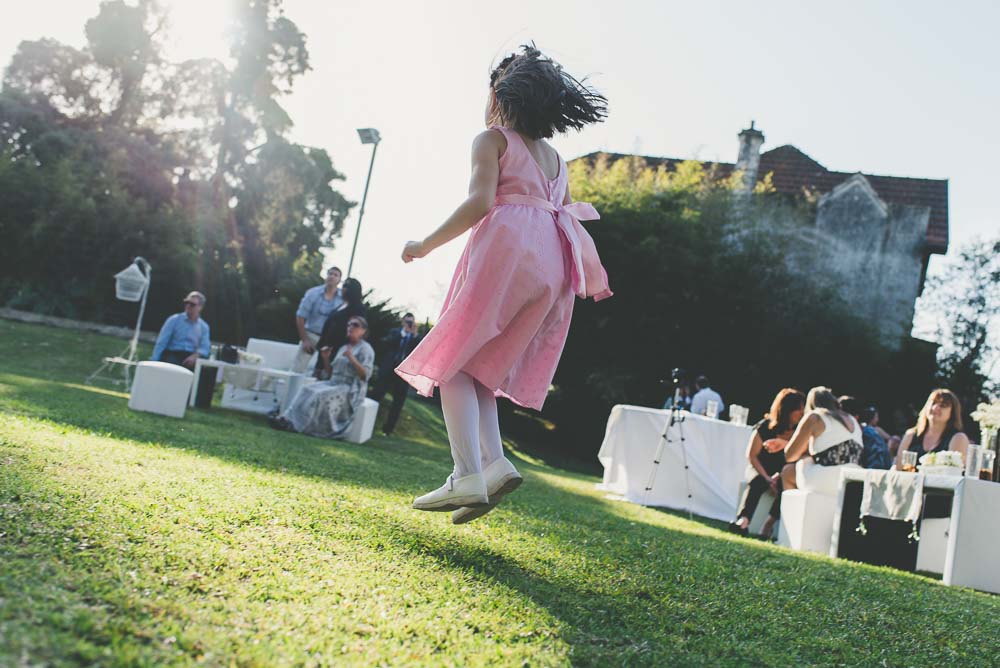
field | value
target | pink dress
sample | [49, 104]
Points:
[507, 313]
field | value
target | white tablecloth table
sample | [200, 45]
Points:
[715, 454]
[972, 557]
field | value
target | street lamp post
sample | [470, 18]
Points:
[368, 136]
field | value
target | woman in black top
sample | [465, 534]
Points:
[334, 334]
[766, 454]
[939, 427]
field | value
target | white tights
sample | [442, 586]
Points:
[470, 413]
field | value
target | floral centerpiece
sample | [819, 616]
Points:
[988, 417]
[942, 463]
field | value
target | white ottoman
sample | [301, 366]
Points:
[807, 520]
[933, 546]
[161, 388]
[364, 422]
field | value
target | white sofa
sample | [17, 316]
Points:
[161, 388]
[276, 355]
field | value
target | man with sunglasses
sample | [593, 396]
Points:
[396, 347]
[184, 336]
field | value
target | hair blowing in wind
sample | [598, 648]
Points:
[538, 98]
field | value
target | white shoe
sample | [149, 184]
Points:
[501, 479]
[469, 490]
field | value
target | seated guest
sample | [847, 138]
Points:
[334, 333]
[891, 440]
[316, 306]
[939, 427]
[826, 440]
[876, 453]
[184, 336]
[327, 408]
[704, 394]
[766, 454]
[683, 398]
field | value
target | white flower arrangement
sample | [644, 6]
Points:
[988, 416]
[250, 359]
[946, 458]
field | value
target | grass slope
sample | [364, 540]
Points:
[129, 538]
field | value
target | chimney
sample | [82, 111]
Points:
[749, 159]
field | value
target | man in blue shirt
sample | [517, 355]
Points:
[316, 306]
[184, 336]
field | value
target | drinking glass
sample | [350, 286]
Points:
[908, 461]
[712, 409]
[972, 456]
[986, 464]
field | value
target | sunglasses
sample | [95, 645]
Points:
[190, 303]
[354, 324]
[407, 322]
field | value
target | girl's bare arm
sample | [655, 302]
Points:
[486, 151]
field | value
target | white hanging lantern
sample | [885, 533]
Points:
[130, 283]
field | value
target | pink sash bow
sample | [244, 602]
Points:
[589, 279]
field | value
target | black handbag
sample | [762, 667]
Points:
[229, 354]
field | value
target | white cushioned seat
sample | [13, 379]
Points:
[807, 520]
[364, 422]
[161, 388]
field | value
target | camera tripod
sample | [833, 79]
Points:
[665, 439]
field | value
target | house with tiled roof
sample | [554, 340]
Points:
[878, 232]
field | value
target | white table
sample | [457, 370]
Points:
[972, 551]
[293, 381]
[703, 477]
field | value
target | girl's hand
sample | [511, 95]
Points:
[349, 354]
[413, 250]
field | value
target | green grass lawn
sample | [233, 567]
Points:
[133, 539]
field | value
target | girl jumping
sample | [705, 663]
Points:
[505, 319]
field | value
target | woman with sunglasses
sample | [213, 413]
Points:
[327, 408]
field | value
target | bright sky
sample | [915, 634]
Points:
[884, 87]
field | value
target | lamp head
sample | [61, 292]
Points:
[369, 135]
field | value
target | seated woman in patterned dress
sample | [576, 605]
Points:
[327, 408]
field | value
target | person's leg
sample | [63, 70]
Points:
[301, 363]
[174, 357]
[490, 442]
[751, 497]
[400, 388]
[461, 417]
[775, 511]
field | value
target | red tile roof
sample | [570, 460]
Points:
[793, 172]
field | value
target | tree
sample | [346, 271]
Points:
[963, 303]
[112, 151]
[713, 289]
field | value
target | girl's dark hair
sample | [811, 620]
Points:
[537, 98]
[351, 291]
[786, 402]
